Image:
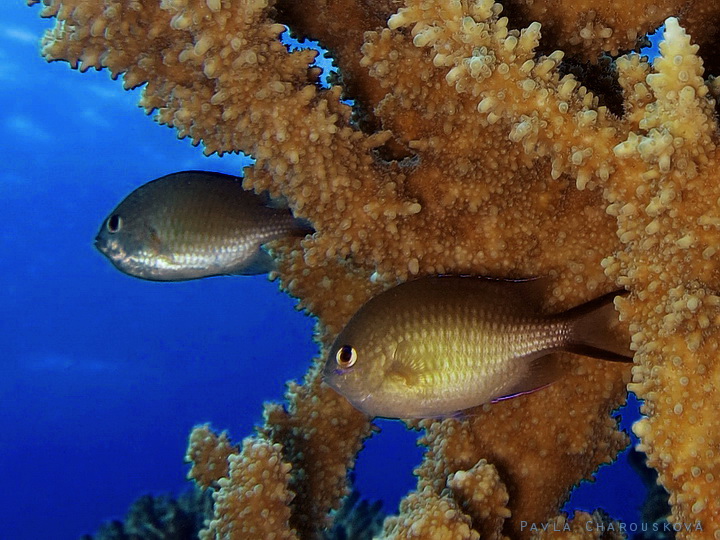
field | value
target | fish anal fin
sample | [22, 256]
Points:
[594, 352]
[261, 262]
[540, 373]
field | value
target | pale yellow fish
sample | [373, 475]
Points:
[439, 345]
[194, 224]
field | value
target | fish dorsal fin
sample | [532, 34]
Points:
[259, 263]
[528, 293]
[534, 292]
[540, 372]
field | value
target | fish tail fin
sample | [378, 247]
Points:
[596, 330]
[303, 227]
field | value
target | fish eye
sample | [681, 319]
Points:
[114, 223]
[346, 356]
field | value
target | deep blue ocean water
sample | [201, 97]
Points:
[104, 375]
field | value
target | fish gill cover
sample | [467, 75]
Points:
[476, 150]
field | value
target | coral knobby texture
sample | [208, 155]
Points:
[471, 148]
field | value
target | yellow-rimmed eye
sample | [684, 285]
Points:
[346, 356]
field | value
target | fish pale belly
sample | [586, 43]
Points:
[405, 403]
[194, 263]
[448, 398]
[452, 373]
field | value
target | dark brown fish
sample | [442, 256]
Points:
[194, 224]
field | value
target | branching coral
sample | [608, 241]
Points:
[504, 164]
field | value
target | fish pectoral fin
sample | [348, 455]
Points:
[155, 239]
[403, 373]
[405, 365]
[261, 262]
[540, 373]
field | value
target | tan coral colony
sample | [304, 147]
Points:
[487, 139]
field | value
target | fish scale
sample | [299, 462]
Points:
[456, 341]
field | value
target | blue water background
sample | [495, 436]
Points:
[104, 375]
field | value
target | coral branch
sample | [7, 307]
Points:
[668, 220]
[209, 455]
[253, 501]
[321, 434]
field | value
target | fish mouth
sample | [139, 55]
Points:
[100, 245]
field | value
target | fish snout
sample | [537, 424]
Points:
[111, 248]
[99, 244]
